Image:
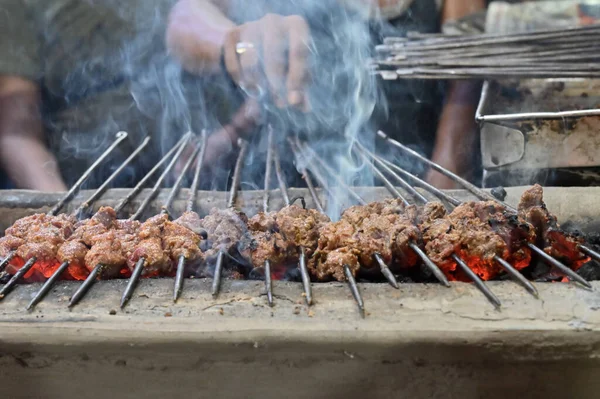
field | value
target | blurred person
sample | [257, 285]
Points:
[411, 110]
[74, 72]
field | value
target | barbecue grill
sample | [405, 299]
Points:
[275, 331]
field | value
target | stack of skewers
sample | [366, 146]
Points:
[565, 53]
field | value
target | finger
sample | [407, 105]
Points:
[274, 47]
[299, 35]
[218, 146]
[249, 57]
[231, 57]
[245, 120]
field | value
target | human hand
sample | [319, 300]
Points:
[224, 141]
[269, 56]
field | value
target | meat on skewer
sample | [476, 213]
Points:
[89, 235]
[477, 232]
[381, 228]
[150, 247]
[278, 236]
[559, 244]
[227, 231]
[38, 236]
[183, 237]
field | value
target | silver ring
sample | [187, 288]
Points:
[242, 47]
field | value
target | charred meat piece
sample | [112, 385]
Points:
[23, 227]
[464, 234]
[180, 237]
[555, 242]
[150, 247]
[325, 265]
[42, 235]
[278, 236]
[381, 228]
[227, 232]
[271, 246]
[516, 232]
[225, 229]
[9, 244]
[337, 247]
[74, 252]
[193, 222]
[113, 248]
[477, 232]
[301, 226]
[86, 234]
[107, 251]
[356, 214]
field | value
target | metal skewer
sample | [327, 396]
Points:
[297, 149]
[95, 273]
[267, 187]
[505, 265]
[354, 289]
[85, 286]
[7, 260]
[477, 281]
[302, 259]
[133, 281]
[139, 267]
[85, 205]
[179, 277]
[48, 285]
[233, 193]
[486, 197]
[216, 284]
[120, 136]
[17, 276]
[142, 183]
[440, 276]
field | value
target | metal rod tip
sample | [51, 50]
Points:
[179, 279]
[387, 273]
[305, 278]
[216, 286]
[354, 290]
[269, 283]
[479, 283]
[41, 294]
[133, 281]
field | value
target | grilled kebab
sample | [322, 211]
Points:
[476, 231]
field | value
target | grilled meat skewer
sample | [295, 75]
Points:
[279, 236]
[38, 236]
[226, 230]
[477, 231]
[382, 229]
[559, 244]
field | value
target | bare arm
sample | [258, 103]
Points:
[455, 137]
[197, 31]
[23, 154]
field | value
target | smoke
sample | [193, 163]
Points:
[123, 78]
[341, 91]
